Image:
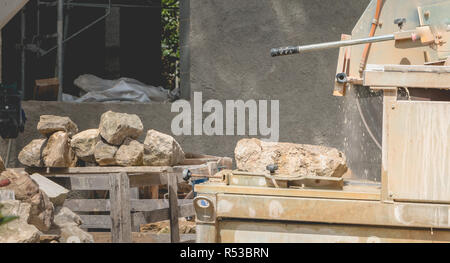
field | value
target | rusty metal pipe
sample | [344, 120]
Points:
[373, 28]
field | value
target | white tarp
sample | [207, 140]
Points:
[123, 89]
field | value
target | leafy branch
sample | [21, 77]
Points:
[170, 43]
[6, 219]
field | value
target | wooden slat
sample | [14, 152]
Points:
[173, 209]
[432, 77]
[138, 218]
[120, 208]
[328, 194]
[89, 182]
[419, 151]
[389, 98]
[334, 211]
[102, 170]
[96, 221]
[103, 205]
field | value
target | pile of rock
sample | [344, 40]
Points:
[36, 211]
[114, 143]
[253, 155]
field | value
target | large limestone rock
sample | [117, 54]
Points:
[58, 153]
[56, 193]
[65, 217]
[74, 234]
[2, 165]
[41, 214]
[253, 155]
[115, 127]
[27, 190]
[68, 222]
[31, 154]
[161, 150]
[23, 186]
[18, 230]
[104, 154]
[84, 143]
[131, 153]
[49, 124]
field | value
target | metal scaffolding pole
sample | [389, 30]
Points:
[60, 32]
[22, 52]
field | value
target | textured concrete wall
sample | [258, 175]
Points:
[226, 46]
[229, 59]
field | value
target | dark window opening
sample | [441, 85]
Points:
[108, 39]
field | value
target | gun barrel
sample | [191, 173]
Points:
[284, 51]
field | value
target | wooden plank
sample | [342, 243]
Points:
[137, 218]
[411, 68]
[99, 170]
[333, 211]
[96, 221]
[89, 182]
[104, 205]
[432, 77]
[389, 99]
[120, 208]
[134, 193]
[419, 151]
[88, 205]
[102, 237]
[248, 190]
[9, 8]
[173, 209]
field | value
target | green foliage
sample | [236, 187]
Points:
[5, 219]
[170, 41]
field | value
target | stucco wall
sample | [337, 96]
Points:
[229, 59]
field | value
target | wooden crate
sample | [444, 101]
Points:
[124, 213]
[46, 89]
